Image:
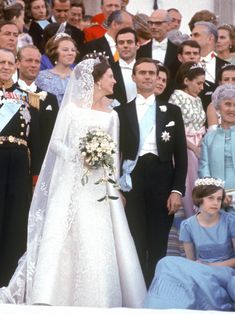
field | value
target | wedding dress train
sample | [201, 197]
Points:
[80, 251]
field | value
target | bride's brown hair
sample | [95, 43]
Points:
[99, 68]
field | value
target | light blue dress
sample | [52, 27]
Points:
[52, 83]
[218, 156]
[218, 159]
[185, 284]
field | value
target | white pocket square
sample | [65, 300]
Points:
[171, 123]
[49, 107]
[208, 93]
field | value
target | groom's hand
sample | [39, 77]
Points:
[174, 203]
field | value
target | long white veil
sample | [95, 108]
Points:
[53, 213]
[79, 93]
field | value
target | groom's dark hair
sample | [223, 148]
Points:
[143, 60]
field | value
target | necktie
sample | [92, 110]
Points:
[124, 65]
[155, 5]
[162, 45]
[29, 88]
[141, 101]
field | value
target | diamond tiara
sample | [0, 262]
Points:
[8, 3]
[195, 66]
[61, 35]
[209, 181]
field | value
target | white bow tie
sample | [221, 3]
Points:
[162, 45]
[141, 101]
[124, 65]
[28, 88]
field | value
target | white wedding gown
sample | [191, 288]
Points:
[80, 251]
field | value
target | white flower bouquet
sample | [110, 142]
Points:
[98, 148]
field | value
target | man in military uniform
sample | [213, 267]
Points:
[19, 164]
[29, 59]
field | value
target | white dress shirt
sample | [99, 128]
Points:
[159, 50]
[29, 88]
[15, 76]
[142, 105]
[209, 63]
[130, 85]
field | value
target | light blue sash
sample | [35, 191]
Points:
[145, 126]
[7, 111]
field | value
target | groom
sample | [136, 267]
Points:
[153, 147]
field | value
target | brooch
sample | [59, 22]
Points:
[163, 108]
[165, 136]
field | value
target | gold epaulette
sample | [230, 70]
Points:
[34, 100]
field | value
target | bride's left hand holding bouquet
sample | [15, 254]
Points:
[98, 149]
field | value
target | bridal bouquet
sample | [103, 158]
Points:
[98, 148]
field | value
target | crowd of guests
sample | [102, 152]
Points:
[42, 41]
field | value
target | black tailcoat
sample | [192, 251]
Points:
[153, 179]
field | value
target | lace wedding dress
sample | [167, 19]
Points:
[80, 251]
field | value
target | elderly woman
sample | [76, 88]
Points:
[218, 146]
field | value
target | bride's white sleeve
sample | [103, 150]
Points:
[64, 142]
[115, 136]
[68, 153]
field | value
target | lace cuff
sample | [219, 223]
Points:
[67, 153]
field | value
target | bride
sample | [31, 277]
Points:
[79, 250]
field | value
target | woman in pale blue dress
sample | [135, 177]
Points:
[205, 279]
[218, 147]
[62, 51]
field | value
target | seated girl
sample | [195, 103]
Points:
[205, 279]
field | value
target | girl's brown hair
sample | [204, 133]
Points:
[205, 190]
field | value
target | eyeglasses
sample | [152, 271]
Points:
[156, 23]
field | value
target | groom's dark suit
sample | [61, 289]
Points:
[153, 179]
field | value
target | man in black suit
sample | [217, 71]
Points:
[206, 34]
[29, 59]
[60, 14]
[125, 89]
[106, 44]
[59, 10]
[160, 48]
[153, 148]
